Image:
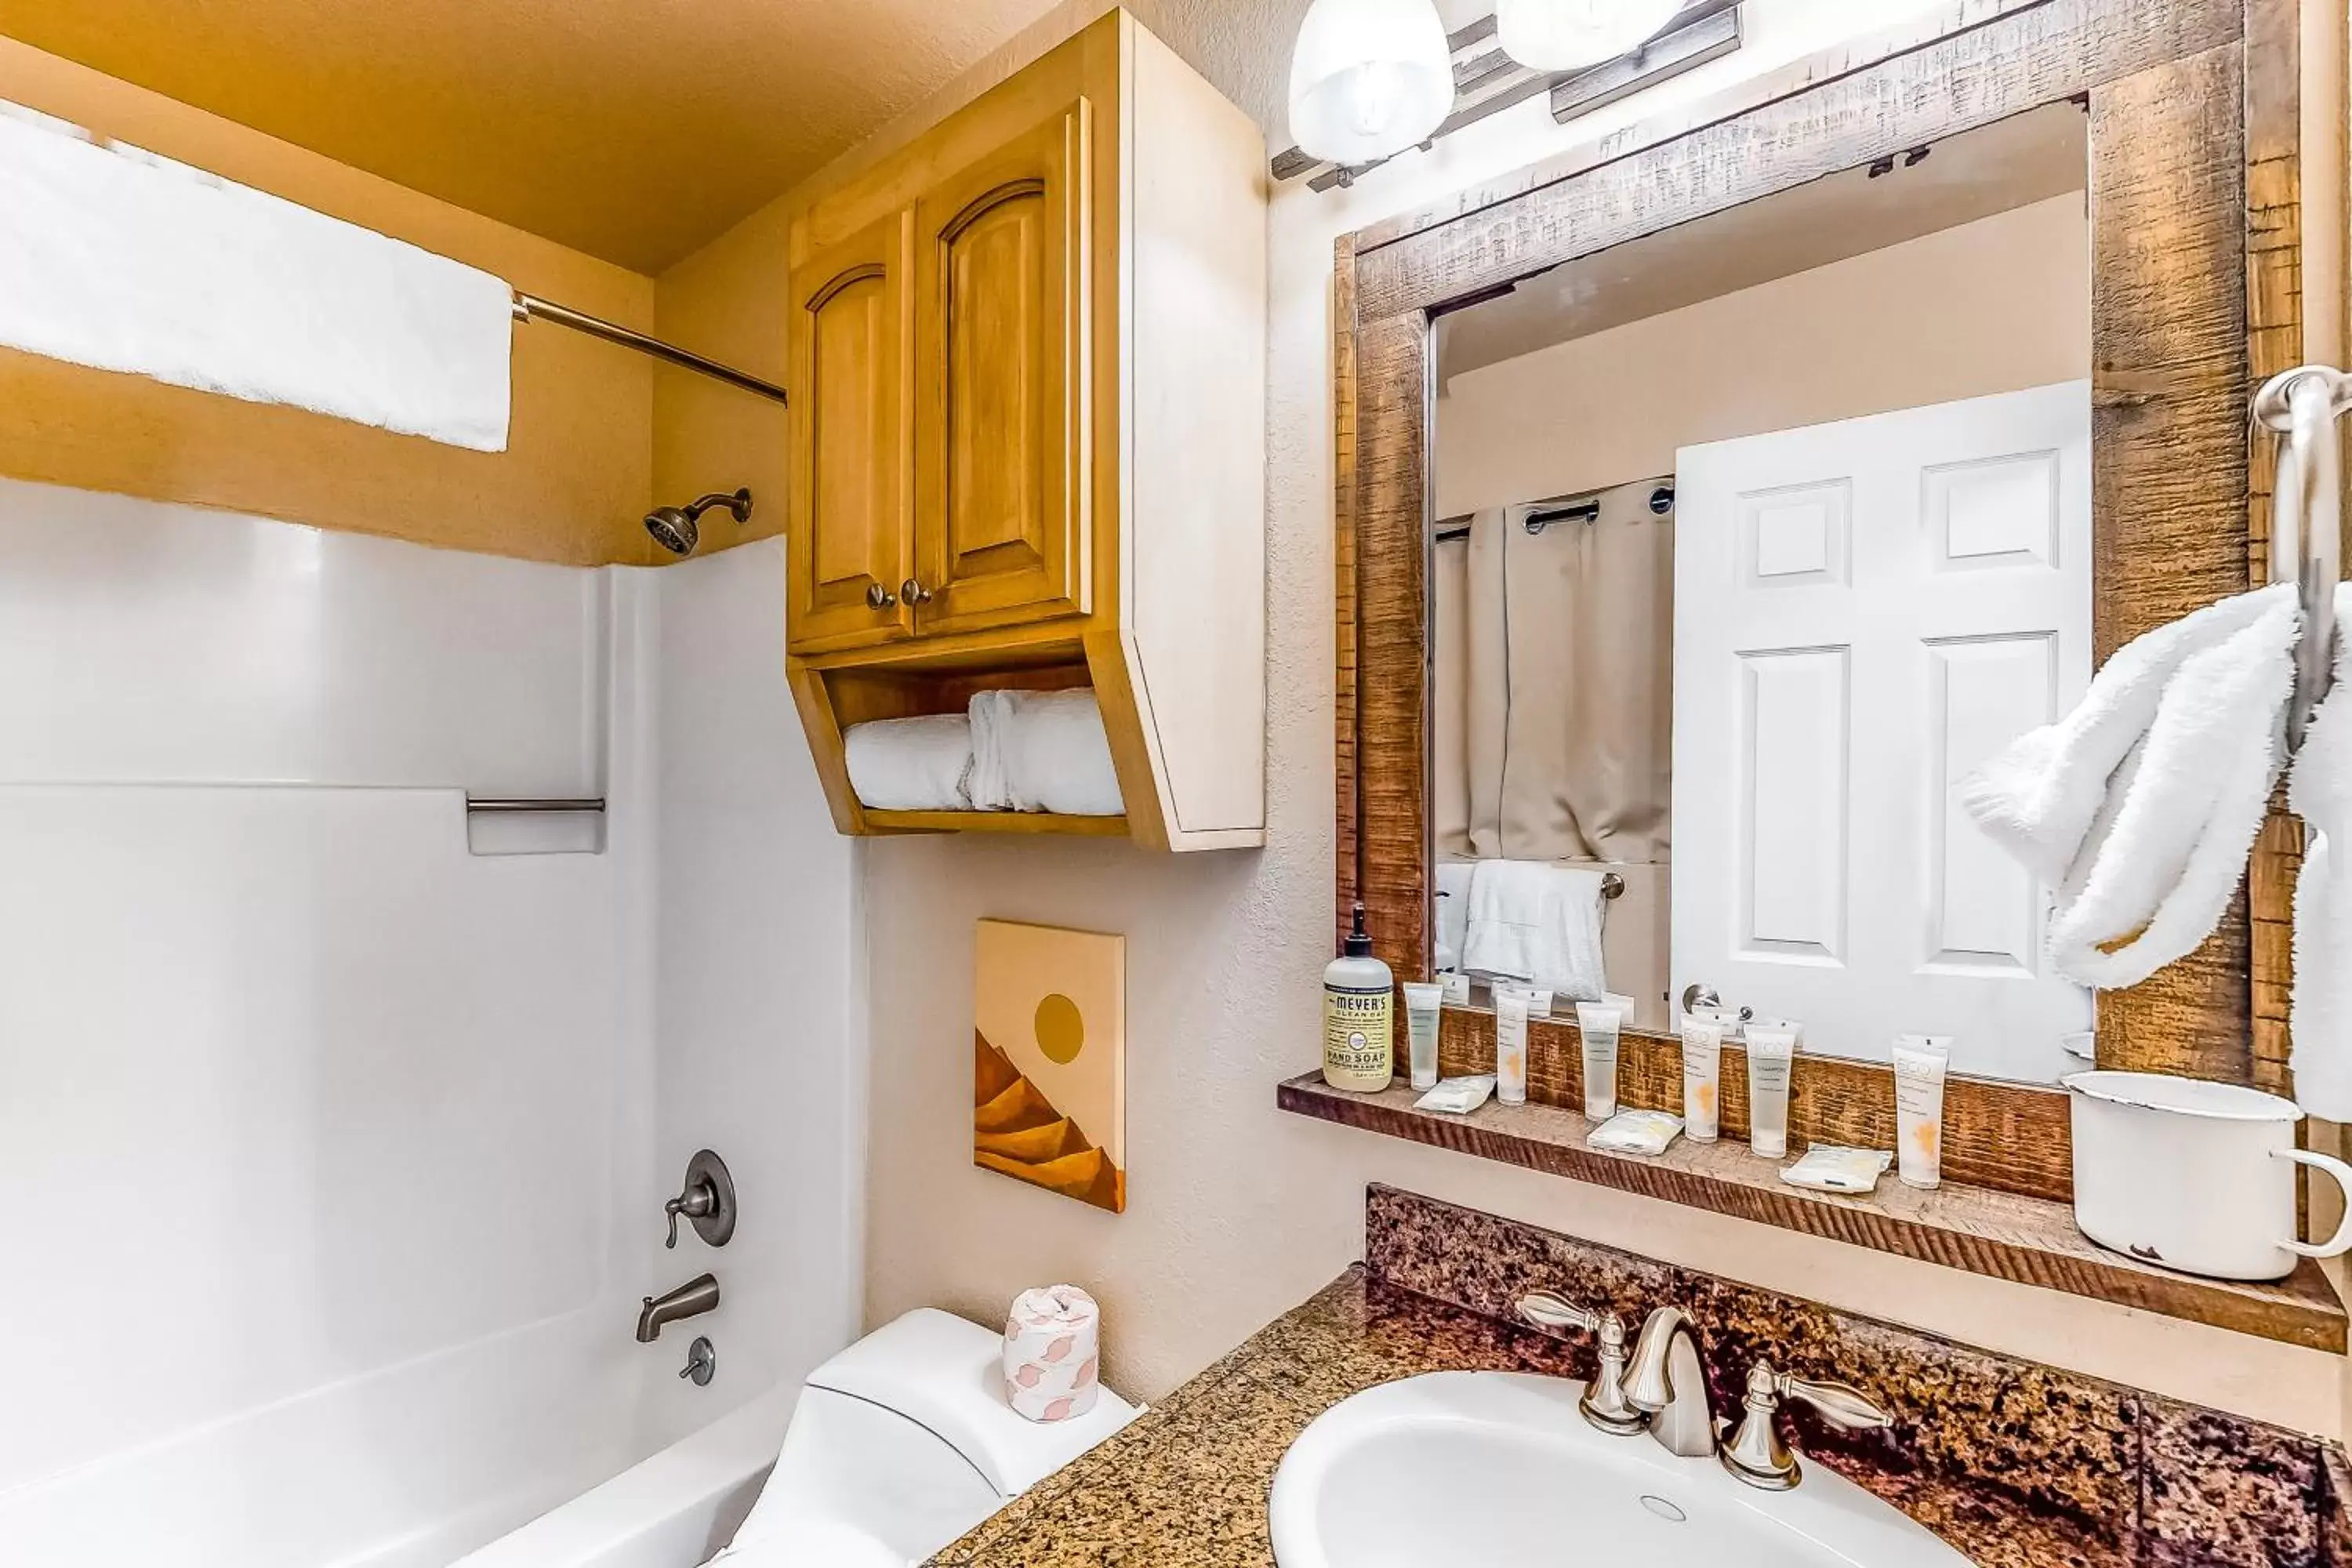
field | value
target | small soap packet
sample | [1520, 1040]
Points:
[1457, 1096]
[1636, 1133]
[1828, 1168]
[1457, 988]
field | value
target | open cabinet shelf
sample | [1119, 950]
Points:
[993, 821]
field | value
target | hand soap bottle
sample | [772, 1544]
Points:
[1359, 1019]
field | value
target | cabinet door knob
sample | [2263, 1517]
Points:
[914, 593]
[878, 597]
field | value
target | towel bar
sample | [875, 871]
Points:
[2303, 405]
[496, 807]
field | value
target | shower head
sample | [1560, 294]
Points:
[677, 529]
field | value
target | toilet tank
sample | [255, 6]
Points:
[906, 1438]
[947, 1375]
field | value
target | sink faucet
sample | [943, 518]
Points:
[1665, 1379]
[691, 1299]
[1756, 1453]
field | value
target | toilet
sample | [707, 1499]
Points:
[899, 1444]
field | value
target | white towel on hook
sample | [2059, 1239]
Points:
[2039, 796]
[1539, 924]
[2320, 792]
[120, 261]
[2141, 807]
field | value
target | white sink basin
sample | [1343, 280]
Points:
[1497, 1469]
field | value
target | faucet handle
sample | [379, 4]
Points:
[1842, 1404]
[1756, 1453]
[1605, 1398]
[695, 1202]
[707, 1197]
[1546, 1311]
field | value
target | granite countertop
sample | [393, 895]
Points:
[1185, 1485]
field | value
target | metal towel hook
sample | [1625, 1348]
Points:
[2303, 405]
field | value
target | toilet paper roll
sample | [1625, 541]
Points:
[1052, 1350]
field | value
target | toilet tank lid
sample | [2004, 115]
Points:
[948, 1375]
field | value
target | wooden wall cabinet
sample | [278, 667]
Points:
[1028, 363]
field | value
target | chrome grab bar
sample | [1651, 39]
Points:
[2303, 405]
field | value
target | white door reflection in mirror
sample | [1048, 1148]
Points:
[1863, 611]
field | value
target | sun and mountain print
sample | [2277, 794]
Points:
[1049, 1074]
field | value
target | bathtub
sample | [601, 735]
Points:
[673, 1510]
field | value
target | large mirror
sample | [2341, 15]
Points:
[1751, 539]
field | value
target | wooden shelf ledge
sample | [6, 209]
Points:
[993, 821]
[2003, 1235]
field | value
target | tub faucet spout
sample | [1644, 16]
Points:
[691, 1299]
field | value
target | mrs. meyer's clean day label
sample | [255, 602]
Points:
[1358, 1018]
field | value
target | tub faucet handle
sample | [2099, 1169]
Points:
[695, 1202]
[705, 1199]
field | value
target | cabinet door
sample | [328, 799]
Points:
[852, 536]
[1003, 427]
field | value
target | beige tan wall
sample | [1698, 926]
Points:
[572, 487]
[1995, 305]
[1237, 1211]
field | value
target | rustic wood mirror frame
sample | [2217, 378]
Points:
[2194, 212]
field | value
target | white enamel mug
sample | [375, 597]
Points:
[2195, 1175]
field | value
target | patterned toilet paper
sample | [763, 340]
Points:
[1052, 1348]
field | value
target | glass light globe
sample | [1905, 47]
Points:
[1368, 78]
[1568, 35]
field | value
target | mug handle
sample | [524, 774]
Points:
[2341, 1242]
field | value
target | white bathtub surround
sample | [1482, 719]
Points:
[369, 1135]
[120, 261]
[2141, 807]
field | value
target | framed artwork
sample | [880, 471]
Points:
[1049, 1077]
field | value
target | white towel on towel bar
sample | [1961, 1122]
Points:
[1536, 922]
[1043, 751]
[910, 765]
[2140, 807]
[123, 261]
[2320, 791]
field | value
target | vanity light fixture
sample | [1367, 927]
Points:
[1569, 35]
[1337, 70]
[1368, 78]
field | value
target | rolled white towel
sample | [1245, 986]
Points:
[1052, 1353]
[990, 714]
[910, 765]
[1043, 751]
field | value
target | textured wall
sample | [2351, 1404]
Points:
[1235, 1211]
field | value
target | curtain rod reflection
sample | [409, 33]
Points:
[1549, 511]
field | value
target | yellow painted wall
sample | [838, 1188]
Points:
[572, 487]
